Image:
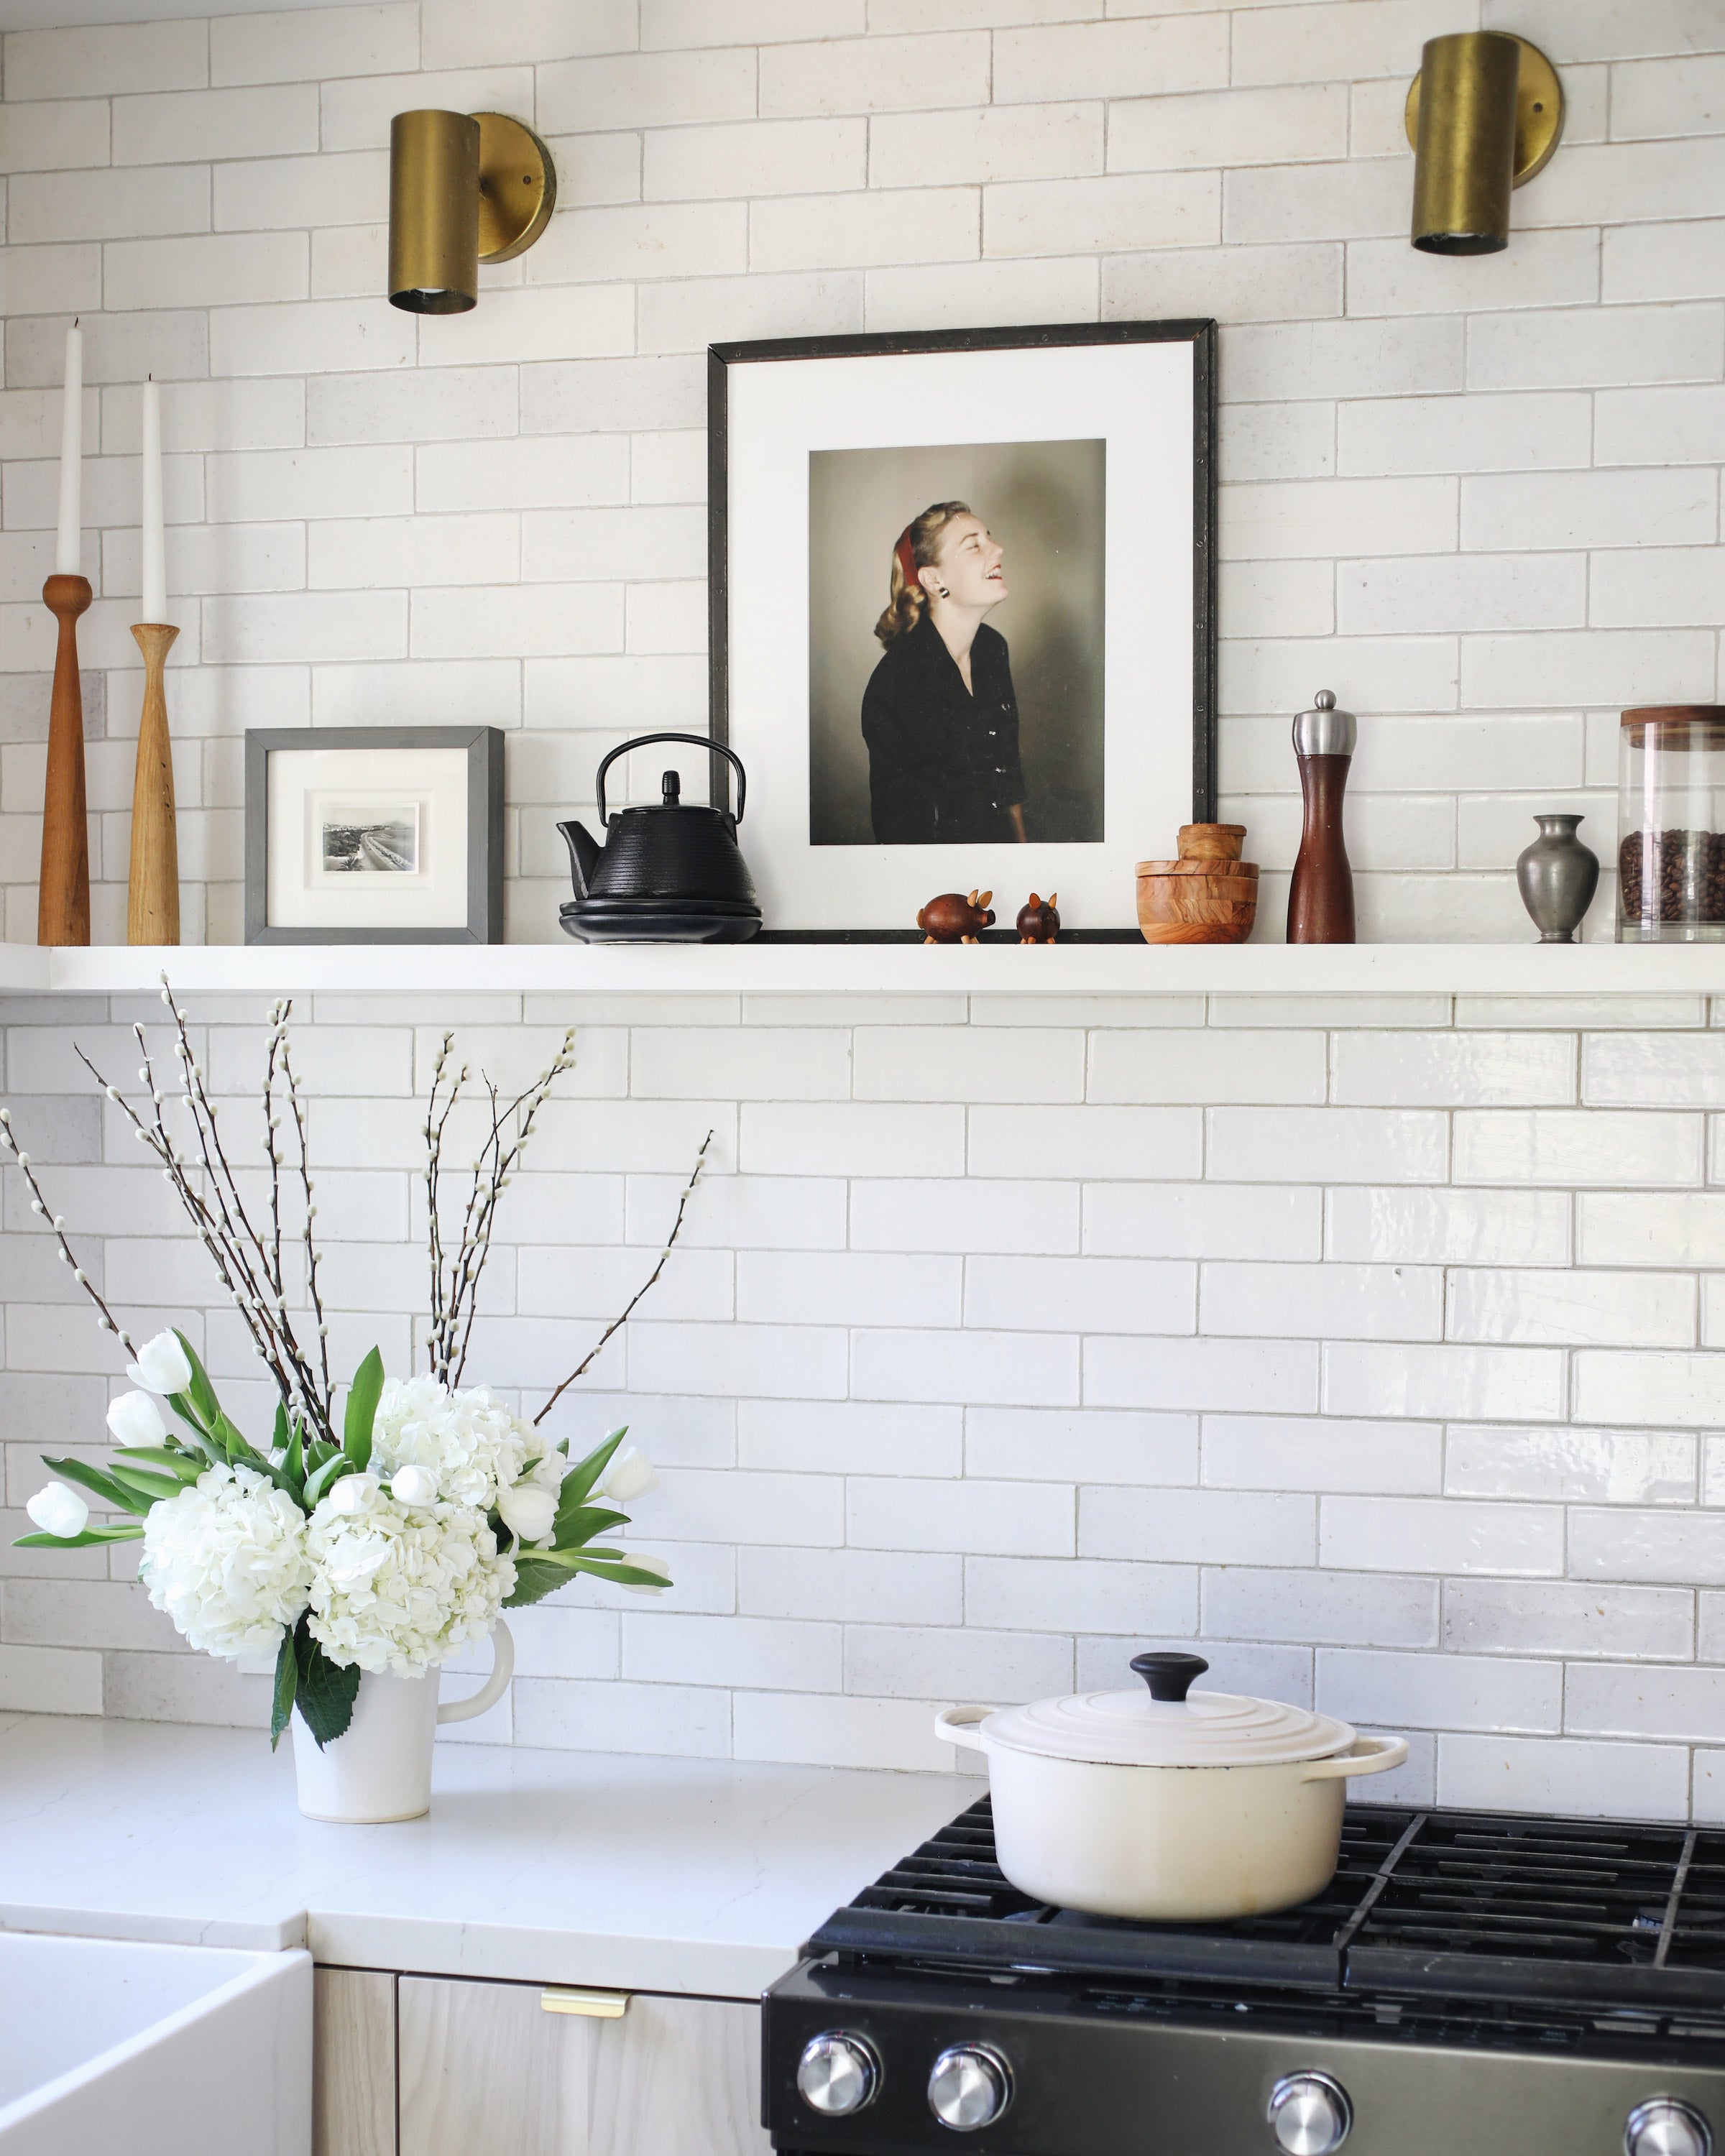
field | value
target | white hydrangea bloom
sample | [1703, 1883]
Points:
[227, 1560]
[469, 1440]
[398, 1589]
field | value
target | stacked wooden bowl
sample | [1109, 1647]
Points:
[1209, 895]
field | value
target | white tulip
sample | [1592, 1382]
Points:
[59, 1510]
[631, 1474]
[528, 1511]
[412, 1486]
[354, 1493]
[135, 1420]
[642, 1563]
[162, 1366]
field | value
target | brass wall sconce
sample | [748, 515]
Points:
[464, 188]
[1484, 115]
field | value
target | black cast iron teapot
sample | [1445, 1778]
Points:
[669, 874]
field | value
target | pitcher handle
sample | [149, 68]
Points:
[495, 1686]
[957, 1726]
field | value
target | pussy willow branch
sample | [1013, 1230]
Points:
[221, 1220]
[651, 1281]
[312, 1253]
[454, 1294]
[225, 1253]
[56, 1221]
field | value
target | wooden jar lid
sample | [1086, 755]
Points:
[1211, 842]
[1199, 868]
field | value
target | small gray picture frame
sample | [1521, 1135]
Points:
[485, 827]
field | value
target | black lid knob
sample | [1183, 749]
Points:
[671, 786]
[1170, 1676]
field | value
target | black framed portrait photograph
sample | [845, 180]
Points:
[963, 615]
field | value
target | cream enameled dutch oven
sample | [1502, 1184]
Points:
[1168, 1804]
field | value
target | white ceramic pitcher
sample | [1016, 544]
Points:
[379, 1768]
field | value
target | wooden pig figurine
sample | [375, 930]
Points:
[1038, 921]
[952, 918]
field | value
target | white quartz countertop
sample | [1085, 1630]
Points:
[613, 1869]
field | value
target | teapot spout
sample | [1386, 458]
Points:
[584, 851]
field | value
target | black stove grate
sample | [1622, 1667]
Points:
[1478, 1905]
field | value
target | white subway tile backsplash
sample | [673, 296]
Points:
[1597, 1466]
[1335, 1145]
[1632, 1781]
[1573, 1146]
[1087, 1594]
[1319, 1608]
[1366, 1342]
[1507, 1383]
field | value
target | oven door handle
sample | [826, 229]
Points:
[957, 1725]
[1371, 1755]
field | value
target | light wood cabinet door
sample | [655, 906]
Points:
[484, 2067]
[353, 2062]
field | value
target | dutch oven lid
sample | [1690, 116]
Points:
[1166, 1726]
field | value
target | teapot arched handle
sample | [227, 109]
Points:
[693, 741]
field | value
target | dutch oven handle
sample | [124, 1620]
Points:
[693, 741]
[1370, 1755]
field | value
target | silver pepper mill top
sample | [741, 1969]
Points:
[1324, 731]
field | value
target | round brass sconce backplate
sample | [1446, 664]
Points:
[1539, 113]
[518, 186]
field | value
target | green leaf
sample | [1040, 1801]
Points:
[296, 1456]
[153, 1488]
[534, 1580]
[100, 1485]
[184, 1466]
[325, 1691]
[200, 1395]
[573, 1528]
[333, 1469]
[122, 1530]
[287, 1683]
[539, 1573]
[582, 1477]
[362, 1398]
[279, 1442]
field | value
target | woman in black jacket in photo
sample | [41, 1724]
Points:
[939, 715]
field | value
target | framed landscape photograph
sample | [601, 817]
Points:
[963, 615]
[374, 834]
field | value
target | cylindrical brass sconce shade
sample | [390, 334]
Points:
[433, 212]
[1465, 153]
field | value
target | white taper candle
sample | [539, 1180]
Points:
[155, 576]
[69, 545]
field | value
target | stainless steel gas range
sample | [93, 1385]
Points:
[1542, 1987]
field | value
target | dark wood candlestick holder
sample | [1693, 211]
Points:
[63, 893]
[152, 904]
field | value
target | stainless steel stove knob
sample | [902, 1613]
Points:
[837, 2074]
[1311, 2114]
[970, 2088]
[1667, 2127]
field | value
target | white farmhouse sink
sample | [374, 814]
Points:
[157, 2051]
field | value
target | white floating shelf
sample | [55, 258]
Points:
[1071, 969]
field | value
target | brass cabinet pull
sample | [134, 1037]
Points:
[571, 1999]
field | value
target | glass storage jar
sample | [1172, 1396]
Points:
[1670, 825]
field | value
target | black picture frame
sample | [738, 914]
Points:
[1201, 333]
[484, 746]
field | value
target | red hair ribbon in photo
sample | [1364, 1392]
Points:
[907, 558]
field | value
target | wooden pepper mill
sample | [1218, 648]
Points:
[1320, 897]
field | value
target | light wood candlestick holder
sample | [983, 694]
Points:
[62, 892]
[152, 904]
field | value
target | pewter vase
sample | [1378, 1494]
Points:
[1556, 877]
